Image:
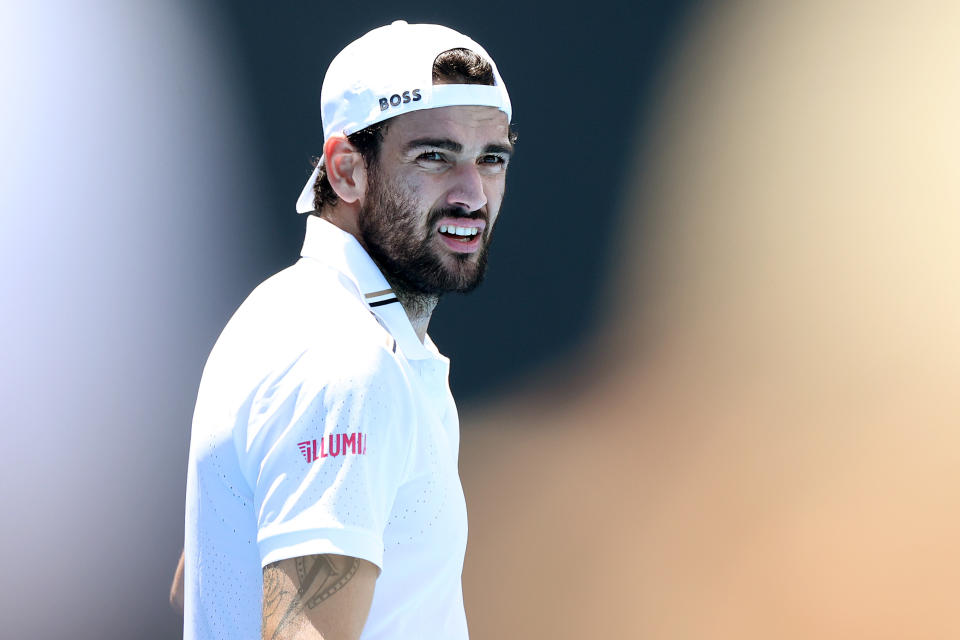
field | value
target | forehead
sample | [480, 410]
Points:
[467, 125]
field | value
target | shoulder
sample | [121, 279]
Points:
[307, 325]
[359, 359]
[306, 305]
[307, 289]
[327, 333]
[332, 368]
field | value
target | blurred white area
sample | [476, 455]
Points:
[127, 190]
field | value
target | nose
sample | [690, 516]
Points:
[467, 190]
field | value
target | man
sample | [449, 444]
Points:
[323, 498]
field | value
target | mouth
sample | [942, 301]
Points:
[461, 235]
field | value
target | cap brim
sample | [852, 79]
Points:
[305, 201]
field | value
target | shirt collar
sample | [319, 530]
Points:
[334, 247]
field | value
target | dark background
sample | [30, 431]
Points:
[578, 75]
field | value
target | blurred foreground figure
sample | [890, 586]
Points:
[764, 441]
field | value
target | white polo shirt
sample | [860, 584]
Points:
[323, 425]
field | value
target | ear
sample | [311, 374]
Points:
[346, 170]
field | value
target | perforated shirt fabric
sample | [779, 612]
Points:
[324, 425]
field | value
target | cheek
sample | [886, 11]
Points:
[494, 185]
[422, 192]
[408, 200]
[494, 191]
[493, 213]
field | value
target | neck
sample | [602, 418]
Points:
[419, 308]
[341, 217]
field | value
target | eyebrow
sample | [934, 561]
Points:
[454, 146]
[499, 148]
[439, 143]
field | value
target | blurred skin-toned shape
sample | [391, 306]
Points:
[764, 439]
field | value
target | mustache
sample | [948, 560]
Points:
[455, 212]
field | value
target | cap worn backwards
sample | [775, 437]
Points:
[388, 72]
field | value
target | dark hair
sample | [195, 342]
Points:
[455, 66]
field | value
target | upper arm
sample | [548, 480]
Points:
[327, 454]
[317, 597]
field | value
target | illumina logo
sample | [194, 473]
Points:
[335, 444]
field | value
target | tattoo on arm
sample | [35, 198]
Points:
[274, 593]
[319, 578]
[321, 574]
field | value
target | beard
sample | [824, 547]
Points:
[401, 241]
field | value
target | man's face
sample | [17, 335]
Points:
[433, 197]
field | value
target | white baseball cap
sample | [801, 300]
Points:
[388, 72]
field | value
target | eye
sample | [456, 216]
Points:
[492, 162]
[431, 156]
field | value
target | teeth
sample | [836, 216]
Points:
[460, 231]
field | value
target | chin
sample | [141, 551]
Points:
[464, 272]
[468, 281]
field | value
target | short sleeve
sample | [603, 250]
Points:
[326, 450]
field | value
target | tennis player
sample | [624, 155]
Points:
[323, 496]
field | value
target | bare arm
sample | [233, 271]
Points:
[176, 589]
[317, 597]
